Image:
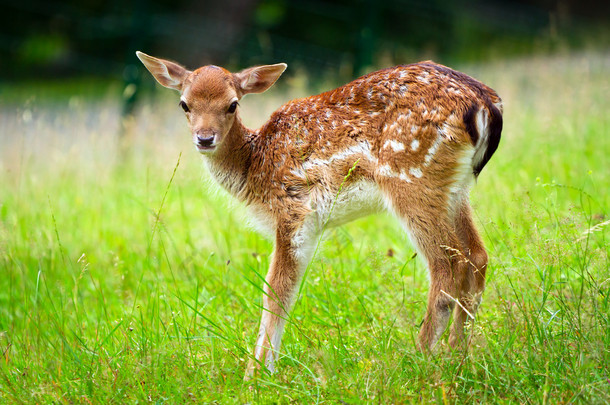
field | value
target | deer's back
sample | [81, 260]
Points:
[385, 123]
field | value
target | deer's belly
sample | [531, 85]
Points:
[354, 201]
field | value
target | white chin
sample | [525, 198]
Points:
[206, 150]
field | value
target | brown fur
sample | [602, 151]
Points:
[409, 139]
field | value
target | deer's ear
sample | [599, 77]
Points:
[168, 74]
[258, 79]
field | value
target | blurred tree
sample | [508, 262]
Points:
[92, 37]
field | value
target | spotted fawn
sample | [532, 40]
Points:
[409, 139]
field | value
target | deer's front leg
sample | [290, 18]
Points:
[293, 250]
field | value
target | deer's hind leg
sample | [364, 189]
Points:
[424, 213]
[473, 284]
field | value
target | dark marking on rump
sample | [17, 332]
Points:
[493, 138]
[495, 122]
[471, 126]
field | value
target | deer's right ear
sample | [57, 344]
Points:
[168, 74]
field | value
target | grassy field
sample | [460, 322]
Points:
[130, 279]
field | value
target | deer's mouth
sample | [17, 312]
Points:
[204, 144]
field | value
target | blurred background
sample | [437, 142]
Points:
[49, 39]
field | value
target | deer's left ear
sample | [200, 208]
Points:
[168, 74]
[258, 79]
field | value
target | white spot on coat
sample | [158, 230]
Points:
[433, 149]
[416, 172]
[386, 171]
[423, 78]
[396, 146]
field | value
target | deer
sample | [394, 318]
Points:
[410, 140]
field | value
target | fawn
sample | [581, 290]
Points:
[409, 139]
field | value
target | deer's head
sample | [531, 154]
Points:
[210, 95]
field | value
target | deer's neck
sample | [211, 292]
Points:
[230, 164]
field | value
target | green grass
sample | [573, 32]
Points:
[134, 281]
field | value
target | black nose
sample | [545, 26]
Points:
[205, 142]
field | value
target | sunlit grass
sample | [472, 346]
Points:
[134, 280]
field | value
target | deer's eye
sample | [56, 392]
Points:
[184, 106]
[232, 107]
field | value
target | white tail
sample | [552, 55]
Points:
[410, 139]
